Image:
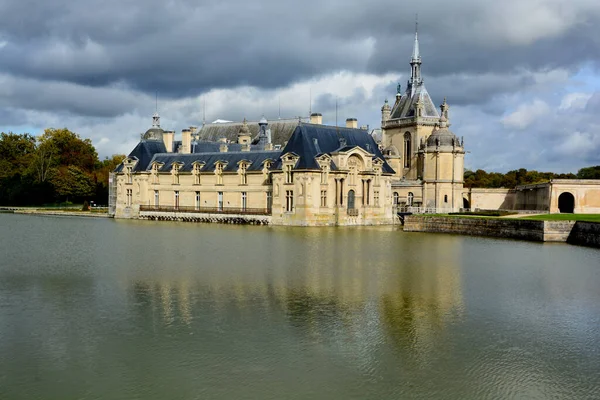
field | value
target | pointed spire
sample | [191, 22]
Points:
[415, 62]
[416, 55]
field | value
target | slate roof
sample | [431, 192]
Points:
[405, 108]
[281, 130]
[214, 147]
[310, 140]
[209, 159]
[143, 152]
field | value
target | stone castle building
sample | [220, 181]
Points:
[322, 175]
[301, 172]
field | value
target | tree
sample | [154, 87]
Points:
[16, 152]
[68, 148]
[589, 173]
[72, 182]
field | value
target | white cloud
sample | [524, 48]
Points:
[526, 114]
[574, 101]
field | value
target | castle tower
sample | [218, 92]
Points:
[410, 121]
[442, 167]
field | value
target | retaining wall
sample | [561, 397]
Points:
[539, 231]
[585, 234]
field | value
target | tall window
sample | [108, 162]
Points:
[445, 198]
[289, 177]
[289, 200]
[129, 177]
[156, 198]
[323, 198]
[220, 201]
[197, 200]
[244, 200]
[351, 200]
[407, 150]
[396, 198]
[269, 200]
[411, 197]
[129, 197]
[177, 199]
[376, 197]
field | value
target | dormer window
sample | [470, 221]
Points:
[175, 173]
[243, 172]
[129, 176]
[268, 177]
[289, 160]
[219, 172]
[289, 176]
[155, 168]
[196, 172]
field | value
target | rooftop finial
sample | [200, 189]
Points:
[156, 117]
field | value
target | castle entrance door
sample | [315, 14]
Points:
[566, 203]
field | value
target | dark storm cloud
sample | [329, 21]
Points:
[95, 65]
[184, 47]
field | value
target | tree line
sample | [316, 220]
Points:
[58, 166]
[483, 179]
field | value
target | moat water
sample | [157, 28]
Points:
[104, 309]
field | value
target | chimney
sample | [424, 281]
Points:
[194, 129]
[223, 148]
[186, 141]
[316, 118]
[351, 123]
[168, 140]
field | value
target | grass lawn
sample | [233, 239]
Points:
[565, 217]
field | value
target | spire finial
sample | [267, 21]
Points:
[156, 117]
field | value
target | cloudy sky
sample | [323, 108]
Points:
[521, 76]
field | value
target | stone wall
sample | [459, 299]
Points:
[502, 228]
[539, 231]
[585, 234]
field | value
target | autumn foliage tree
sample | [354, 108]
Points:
[57, 166]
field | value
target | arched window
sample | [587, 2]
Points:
[396, 198]
[351, 200]
[407, 150]
[411, 197]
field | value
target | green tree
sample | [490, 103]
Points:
[589, 173]
[16, 152]
[67, 148]
[72, 182]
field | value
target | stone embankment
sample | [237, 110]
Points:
[60, 213]
[584, 233]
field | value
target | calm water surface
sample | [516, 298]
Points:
[103, 309]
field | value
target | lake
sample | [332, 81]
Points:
[113, 309]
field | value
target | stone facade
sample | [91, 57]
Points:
[323, 176]
[580, 196]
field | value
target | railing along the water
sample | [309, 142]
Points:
[208, 210]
